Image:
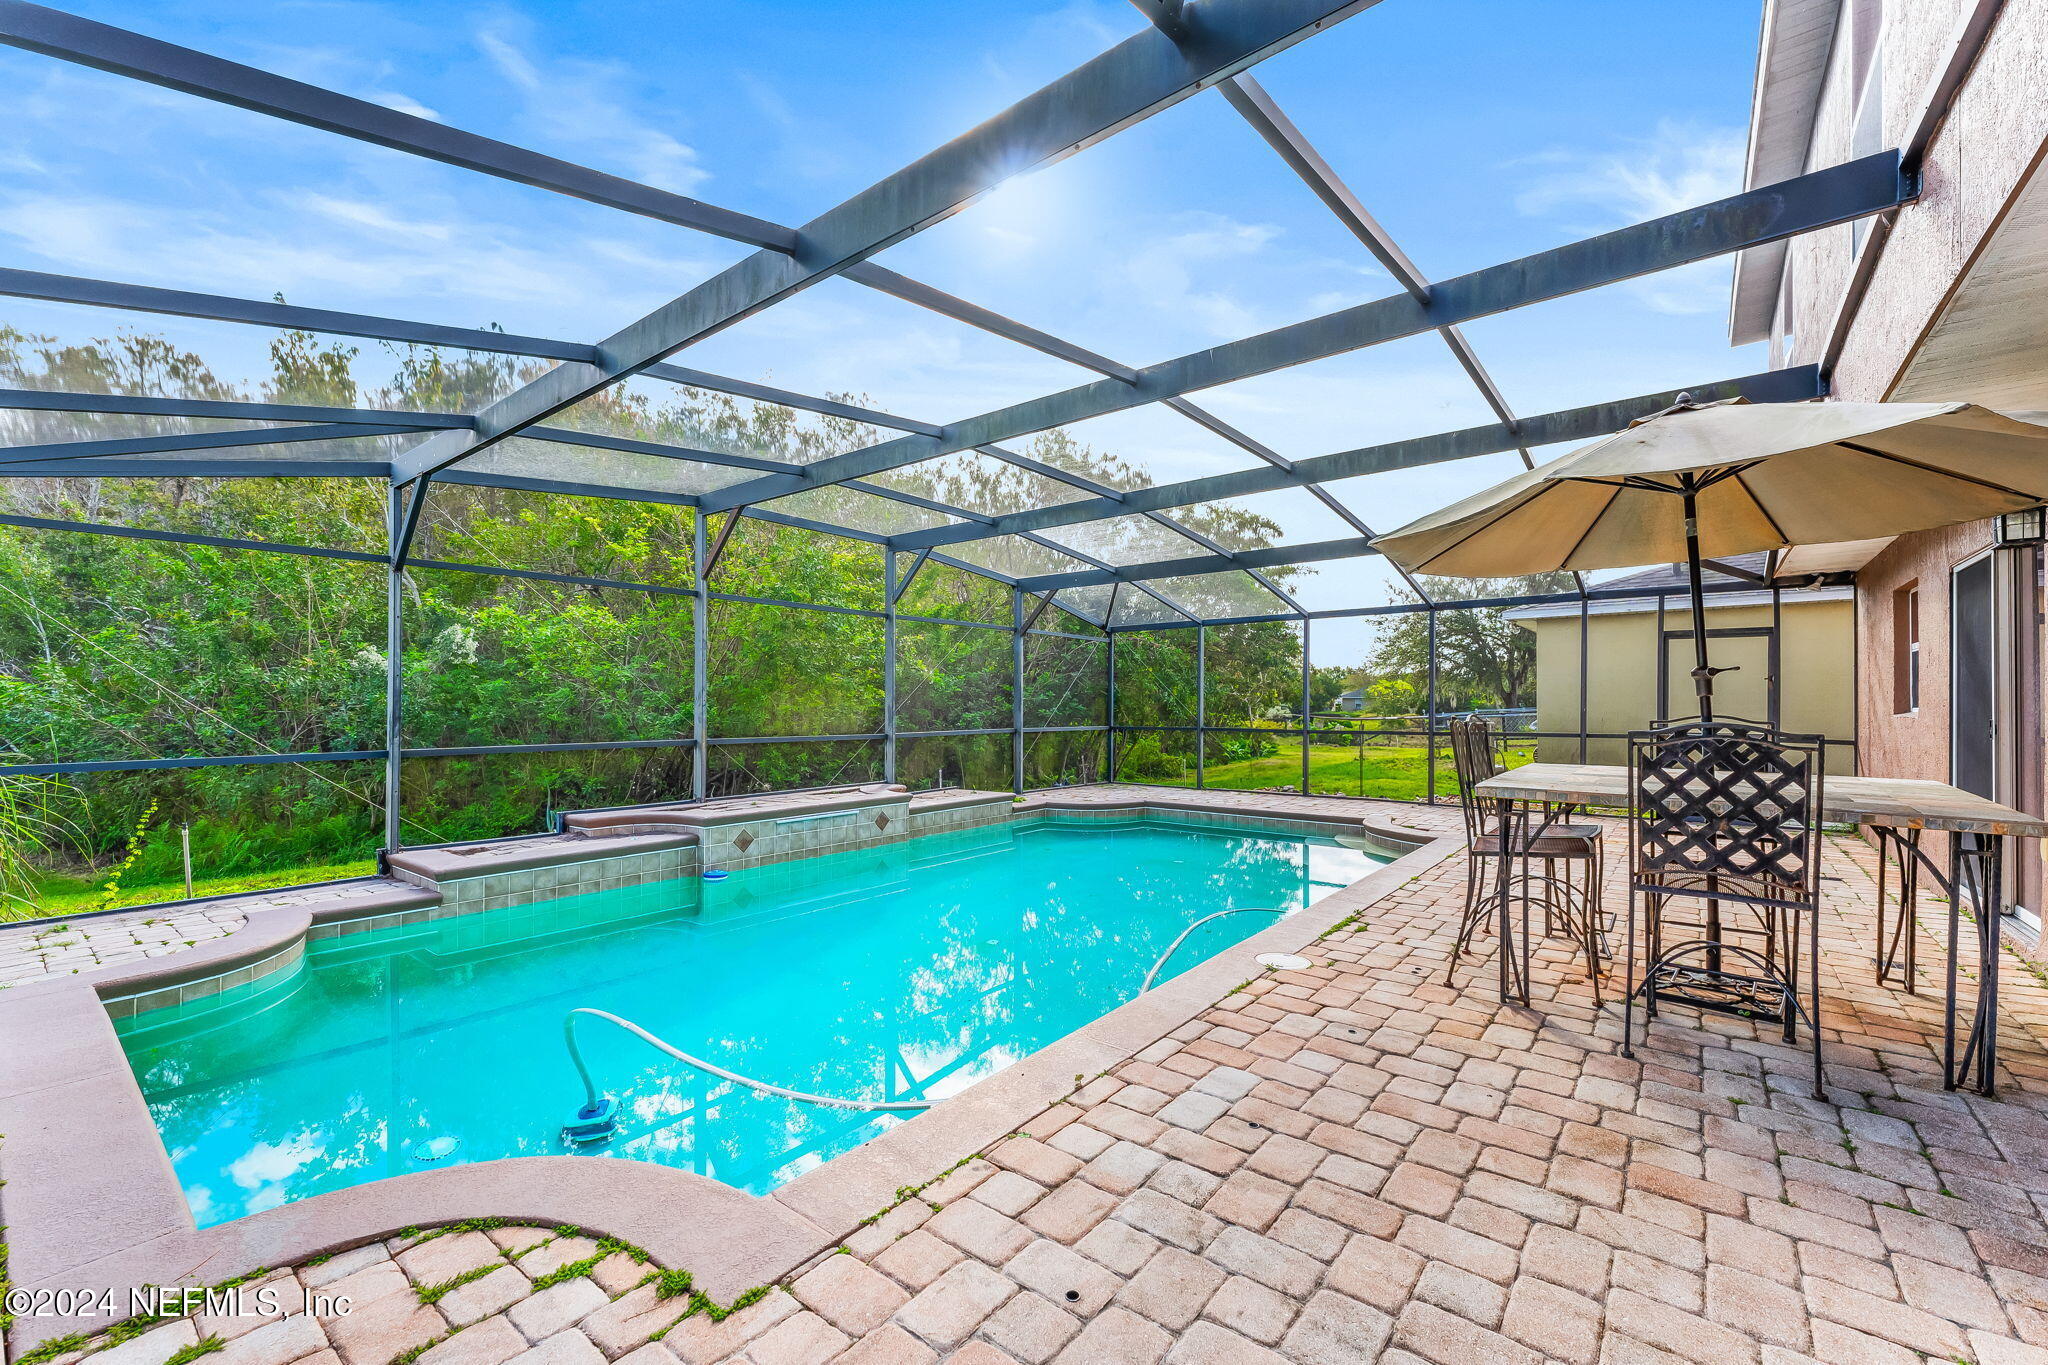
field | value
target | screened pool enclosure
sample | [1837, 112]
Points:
[317, 616]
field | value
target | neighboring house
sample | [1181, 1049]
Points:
[1352, 701]
[1801, 675]
[1943, 300]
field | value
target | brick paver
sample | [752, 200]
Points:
[60, 946]
[1358, 1161]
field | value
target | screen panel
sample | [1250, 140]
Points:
[1155, 678]
[135, 649]
[251, 827]
[497, 660]
[983, 762]
[952, 677]
[741, 769]
[1066, 680]
[488, 796]
[786, 671]
[1164, 758]
[1065, 760]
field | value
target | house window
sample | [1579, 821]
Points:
[1906, 649]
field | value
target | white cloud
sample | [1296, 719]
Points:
[584, 105]
[1171, 273]
[1677, 166]
[268, 1163]
[374, 217]
[404, 104]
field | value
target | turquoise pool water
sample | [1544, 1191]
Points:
[909, 971]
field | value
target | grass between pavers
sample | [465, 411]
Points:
[56, 896]
[668, 1284]
[205, 1346]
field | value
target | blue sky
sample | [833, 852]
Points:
[1476, 130]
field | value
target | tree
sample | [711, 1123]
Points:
[1483, 659]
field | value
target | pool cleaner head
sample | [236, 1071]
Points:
[593, 1124]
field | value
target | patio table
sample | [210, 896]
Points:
[1898, 809]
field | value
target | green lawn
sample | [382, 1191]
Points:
[72, 896]
[1397, 773]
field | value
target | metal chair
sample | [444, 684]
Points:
[1727, 813]
[1567, 887]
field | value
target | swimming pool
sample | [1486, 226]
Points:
[908, 971]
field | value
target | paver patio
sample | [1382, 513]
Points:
[1357, 1162]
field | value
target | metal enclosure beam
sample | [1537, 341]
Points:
[1307, 692]
[1820, 199]
[49, 400]
[190, 440]
[1019, 626]
[700, 661]
[1132, 81]
[1572, 424]
[1317, 552]
[889, 664]
[394, 668]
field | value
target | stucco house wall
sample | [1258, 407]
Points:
[1986, 155]
[1995, 134]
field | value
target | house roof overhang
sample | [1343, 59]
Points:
[1791, 73]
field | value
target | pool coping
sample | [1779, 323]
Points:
[91, 1201]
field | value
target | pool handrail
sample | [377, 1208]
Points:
[1164, 957]
[592, 1100]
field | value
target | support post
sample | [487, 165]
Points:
[1585, 682]
[1017, 690]
[1201, 707]
[700, 660]
[888, 665]
[1429, 707]
[1109, 734]
[1775, 684]
[394, 661]
[1305, 688]
[1658, 712]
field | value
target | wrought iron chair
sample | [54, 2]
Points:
[1568, 886]
[1727, 813]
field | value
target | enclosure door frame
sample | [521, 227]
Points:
[1769, 635]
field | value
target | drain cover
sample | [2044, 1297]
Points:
[436, 1148]
[1286, 962]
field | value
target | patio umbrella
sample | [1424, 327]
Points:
[1703, 481]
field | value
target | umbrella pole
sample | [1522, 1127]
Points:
[1702, 680]
[1702, 675]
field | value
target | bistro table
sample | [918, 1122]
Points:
[1898, 809]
